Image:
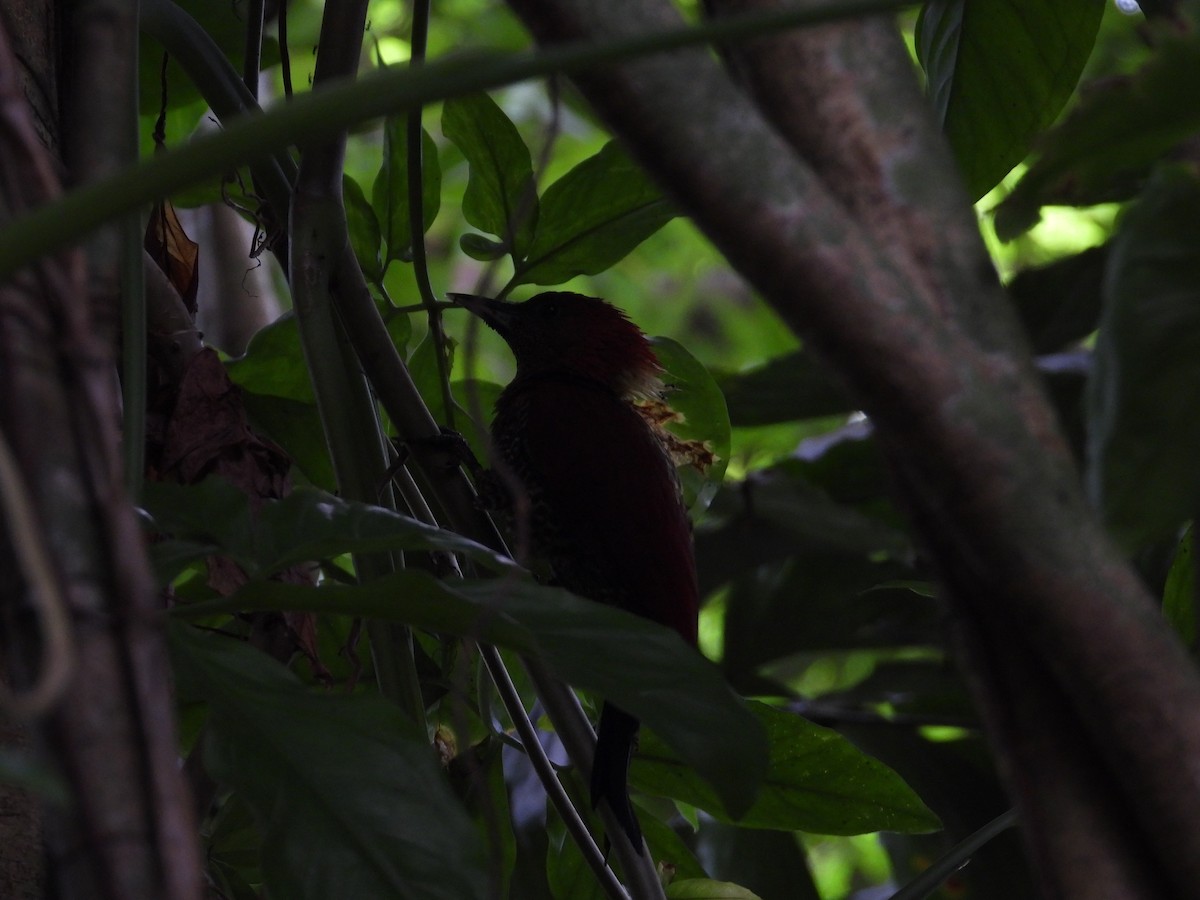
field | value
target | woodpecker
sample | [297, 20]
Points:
[605, 511]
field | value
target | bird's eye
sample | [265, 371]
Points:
[550, 310]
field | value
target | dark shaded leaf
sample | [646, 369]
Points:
[642, 667]
[591, 218]
[822, 602]
[308, 524]
[296, 427]
[389, 193]
[706, 889]
[817, 781]
[1104, 149]
[999, 73]
[501, 196]
[787, 388]
[478, 247]
[363, 226]
[423, 367]
[1144, 434]
[347, 792]
[770, 863]
[1059, 304]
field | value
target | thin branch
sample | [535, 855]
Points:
[414, 139]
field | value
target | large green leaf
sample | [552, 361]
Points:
[817, 781]
[1144, 434]
[642, 667]
[348, 794]
[308, 524]
[501, 196]
[1104, 149]
[389, 193]
[591, 218]
[296, 427]
[273, 363]
[999, 73]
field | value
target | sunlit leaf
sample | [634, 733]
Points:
[347, 792]
[999, 72]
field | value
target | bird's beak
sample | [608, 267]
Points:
[496, 314]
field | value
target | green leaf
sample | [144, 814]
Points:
[591, 218]
[273, 363]
[306, 525]
[347, 792]
[701, 422]
[1144, 434]
[707, 889]
[389, 193]
[478, 247]
[363, 226]
[1179, 594]
[999, 73]
[642, 667]
[1104, 149]
[817, 781]
[501, 196]
[296, 427]
[427, 377]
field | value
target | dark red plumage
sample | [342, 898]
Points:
[605, 508]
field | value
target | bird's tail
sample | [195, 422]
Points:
[610, 770]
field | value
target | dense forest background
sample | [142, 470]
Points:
[925, 281]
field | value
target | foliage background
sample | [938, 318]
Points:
[818, 599]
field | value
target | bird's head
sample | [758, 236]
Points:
[563, 332]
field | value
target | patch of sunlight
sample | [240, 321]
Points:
[841, 865]
[712, 626]
[392, 51]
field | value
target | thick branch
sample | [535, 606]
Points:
[129, 833]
